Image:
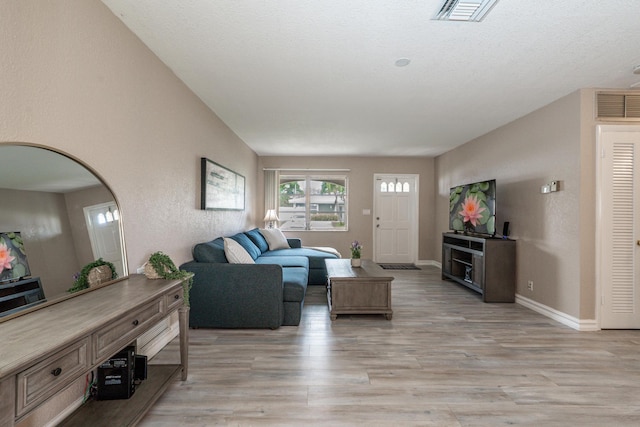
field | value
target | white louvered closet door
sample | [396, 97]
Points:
[620, 228]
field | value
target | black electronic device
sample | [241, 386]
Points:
[140, 368]
[505, 229]
[116, 376]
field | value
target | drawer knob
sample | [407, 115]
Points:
[135, 322]
[56, 372]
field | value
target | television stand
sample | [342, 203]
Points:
[486, 265]
[19, 295]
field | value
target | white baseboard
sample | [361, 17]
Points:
[586, 325]
[558, 316]
[430, 262]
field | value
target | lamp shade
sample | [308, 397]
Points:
[271, 215]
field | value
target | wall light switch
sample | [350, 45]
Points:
[554, 186]
[545, 189]
[366, 211]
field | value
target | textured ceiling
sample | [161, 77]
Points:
[302, 77]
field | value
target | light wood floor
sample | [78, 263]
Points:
[446, 359]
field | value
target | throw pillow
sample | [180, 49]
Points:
[212, 251]
[235, 253]
[275, 238]
[258, 239]
[247, 244]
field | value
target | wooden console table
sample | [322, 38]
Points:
[45, 351]
[360, 290]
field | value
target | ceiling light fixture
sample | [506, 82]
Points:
[464, 10]
[402, 62]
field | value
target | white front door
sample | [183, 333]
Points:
[618, 235]
[103, 225]
[395, 218]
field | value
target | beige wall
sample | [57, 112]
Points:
[362, 170]
[76, 79]
[524, 155]
[588, 208]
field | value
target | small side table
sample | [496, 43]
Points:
[358, 290]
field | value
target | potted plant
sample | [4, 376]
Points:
[93, 273]
[356, 250]
[160, 266]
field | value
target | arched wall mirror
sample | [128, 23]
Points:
[61, 217]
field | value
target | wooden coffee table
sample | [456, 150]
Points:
[358, 290]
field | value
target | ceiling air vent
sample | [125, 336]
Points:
[618, 106]
[464, 10]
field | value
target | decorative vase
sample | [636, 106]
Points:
[150, 272]
[98, 275]
[355, 262]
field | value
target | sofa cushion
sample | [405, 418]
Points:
[294, 280]
[258, 239]
[285, 261]
[247, 244]
[235, 253]
[212, 251]
[275, 238]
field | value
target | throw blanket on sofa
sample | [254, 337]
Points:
[325, 249]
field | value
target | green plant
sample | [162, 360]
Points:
[324, 217]
[81, 279]
[356, 249]
[164, 266]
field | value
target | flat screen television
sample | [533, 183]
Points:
[13, 258]
[472, 208]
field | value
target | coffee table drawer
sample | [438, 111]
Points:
[45, 378]
[359, 296]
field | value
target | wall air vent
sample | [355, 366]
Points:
[464, 10]
[618, 106]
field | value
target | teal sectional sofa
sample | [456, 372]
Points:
[267, 293]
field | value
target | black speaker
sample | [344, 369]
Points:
[116, 376]
[505, 229]
[140, 367]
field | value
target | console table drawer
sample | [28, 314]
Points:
[44, 379]
[174, 298]
[109, 340]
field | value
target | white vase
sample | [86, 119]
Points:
[355, 262]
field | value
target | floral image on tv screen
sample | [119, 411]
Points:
[13, 258]
[472, 208]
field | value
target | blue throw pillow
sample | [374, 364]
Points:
[247, 244]
[212, 251]
[258, 239]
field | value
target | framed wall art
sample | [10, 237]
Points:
[221, 188]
